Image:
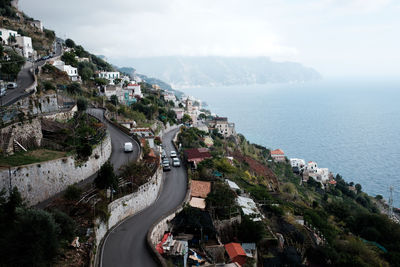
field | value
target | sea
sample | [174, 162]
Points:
[349, 125]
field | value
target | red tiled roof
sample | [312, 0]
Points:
[200, 188]
[234, 250]
[197, 153]
[277, 152]
[332, 182]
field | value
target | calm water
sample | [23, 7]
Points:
[351, 127]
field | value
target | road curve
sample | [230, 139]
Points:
[126, 244]
[118, 138]
[118, 156]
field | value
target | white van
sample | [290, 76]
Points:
[128, 147]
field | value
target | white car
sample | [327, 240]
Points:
[2, 91]
[176, 162]
[128, 147]
[173, 154]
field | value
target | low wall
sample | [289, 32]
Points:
[129, 205]
[38, 182]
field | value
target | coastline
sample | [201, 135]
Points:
[225, 110]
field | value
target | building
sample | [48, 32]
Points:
[311, 167]
[37, 24]
[249, 207]
[197, 155]
[250, 249]
[135, 90]
[5, 35]
[25, 43]
[179, 113]
[111, 90]
[278, 155]
[169, 97]
[299, 163]
[222, 125]
[145, 133]
[109, 75]
[71, 71]
[232, 185]
[236, 253]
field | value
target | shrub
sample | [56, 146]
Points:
[72, 193]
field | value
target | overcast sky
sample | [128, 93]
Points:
[336, 37]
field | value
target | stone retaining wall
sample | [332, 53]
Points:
[40, 181]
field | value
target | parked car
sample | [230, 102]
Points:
[163, 154]
[2, 91]
[128, 147]
[176, 162]
[173, 154]
[11, 85]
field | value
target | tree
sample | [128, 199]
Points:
[106, 177]
[70, 43]
[358, 188]
[86, 73]
[13, 65]
[101, 81]
[69, 59]
[114, 100]
[82, 104]
[186, 118]
[74, 88]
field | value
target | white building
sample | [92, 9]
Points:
[110, 76]
[5, 34]
[37, 24]
[25, 43]
[71, 71]
[135, 88]
[311, 167]
[299, 163]
[169, 97]
[249, 208]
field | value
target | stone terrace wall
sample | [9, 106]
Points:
[129, 205]
[39, 181]
[29, 134]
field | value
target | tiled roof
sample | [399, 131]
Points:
[277, 152]
[234, 250]
[200, 188]
[197, 153]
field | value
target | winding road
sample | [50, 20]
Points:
[118, 156]
[118, 138]
[126, 244]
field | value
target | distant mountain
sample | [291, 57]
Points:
[215, 71]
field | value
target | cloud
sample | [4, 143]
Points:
[315, 32]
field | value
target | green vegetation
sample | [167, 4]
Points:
[6, 9]
[31, 156]
[11, 64]
[40, 234]
[106, 177]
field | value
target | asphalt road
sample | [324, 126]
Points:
[118, 138]
[118, 156]
[24, 80]
[126, 244]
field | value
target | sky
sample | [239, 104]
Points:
[335, 37]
